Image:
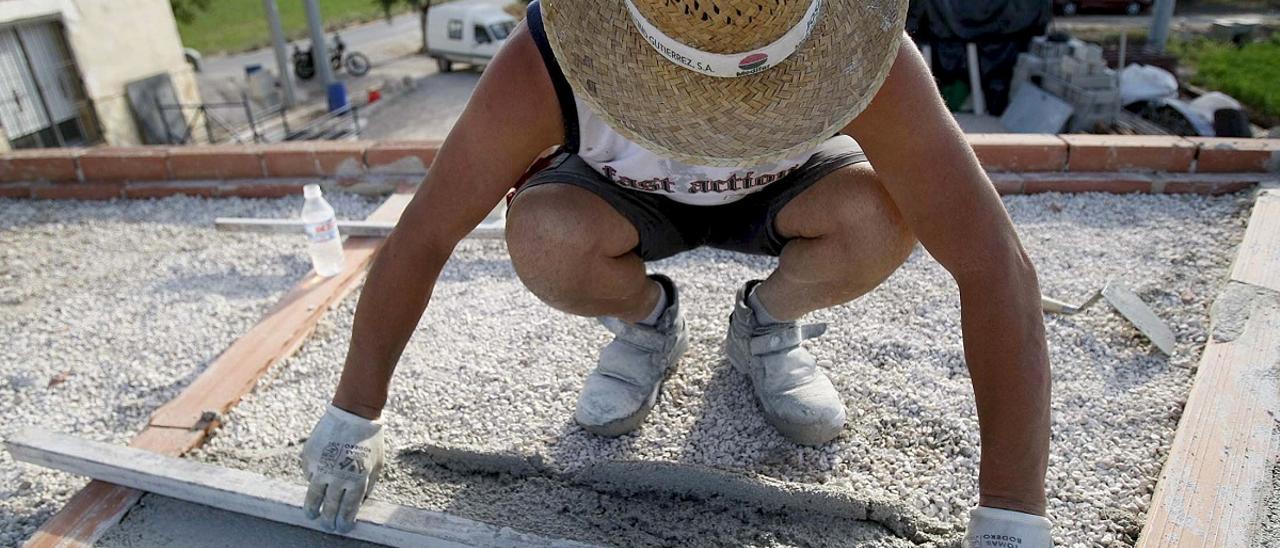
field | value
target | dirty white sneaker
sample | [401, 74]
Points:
[794, 395]
[619, 394]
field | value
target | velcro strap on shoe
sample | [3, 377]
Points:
[785, 338]
[644, 337]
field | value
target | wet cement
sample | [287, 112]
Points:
[593, 508]
[162, 521]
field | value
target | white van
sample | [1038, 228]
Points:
[466, 32]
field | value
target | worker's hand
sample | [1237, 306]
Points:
[341, 460]
[992, 527]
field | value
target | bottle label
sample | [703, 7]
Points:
[323, 231]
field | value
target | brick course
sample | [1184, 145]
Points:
[1218, 155]
[1129, 153]
[1019, 152]
[57, 165]
[1018, 164]
[401, 157]
[216, 162]
[98, 165]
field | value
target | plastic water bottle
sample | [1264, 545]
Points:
[324, 242]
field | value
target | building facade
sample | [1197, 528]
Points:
[66, 67]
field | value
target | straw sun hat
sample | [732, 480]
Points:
[733, 83]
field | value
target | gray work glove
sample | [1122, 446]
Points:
[1000, 528]
[341, 460]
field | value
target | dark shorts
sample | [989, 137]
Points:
[667, 227]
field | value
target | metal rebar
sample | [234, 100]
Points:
[208, 130]
[164, 120]
[248, 112]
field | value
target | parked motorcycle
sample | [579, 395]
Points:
[356, 63]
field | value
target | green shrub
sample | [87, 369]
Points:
[1251, 74]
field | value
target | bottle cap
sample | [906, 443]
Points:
[311, 191]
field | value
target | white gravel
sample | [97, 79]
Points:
[109, 309]
[492, 369]
[132, 299]
[1269, 522]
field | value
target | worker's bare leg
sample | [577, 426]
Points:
[574, 251]
[847, 238]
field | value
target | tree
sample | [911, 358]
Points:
[186, 10]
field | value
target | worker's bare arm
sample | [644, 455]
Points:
[935, 179]
[511, 118]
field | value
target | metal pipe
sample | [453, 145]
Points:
[319, 48]
[975, 81]
[1124, 51]
[1160, 24]
[282, 57]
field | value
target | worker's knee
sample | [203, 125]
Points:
[557, 234]
[538, 224]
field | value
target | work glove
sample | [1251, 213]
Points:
[341, 460]
[998, 528]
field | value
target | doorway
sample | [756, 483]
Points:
[42, 99]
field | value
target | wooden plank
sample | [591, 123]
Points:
[494, 230]
[1219, 467]
[180, 425]
[256, 495]
[277, 336]
[1258, 261]
[1213, 486]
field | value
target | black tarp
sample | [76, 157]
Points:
[978, 20]
[1001, 29]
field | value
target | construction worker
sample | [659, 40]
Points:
[810, 130]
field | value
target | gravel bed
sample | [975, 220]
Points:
[492, 369]
[1269, 523]
[109, 309]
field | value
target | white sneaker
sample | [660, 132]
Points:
[619, 394]
[794, 395]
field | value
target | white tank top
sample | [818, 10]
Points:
[629, 165]
[632, 166]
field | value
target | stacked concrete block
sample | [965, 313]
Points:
[1074, 71]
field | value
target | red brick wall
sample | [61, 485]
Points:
[1018, 164]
